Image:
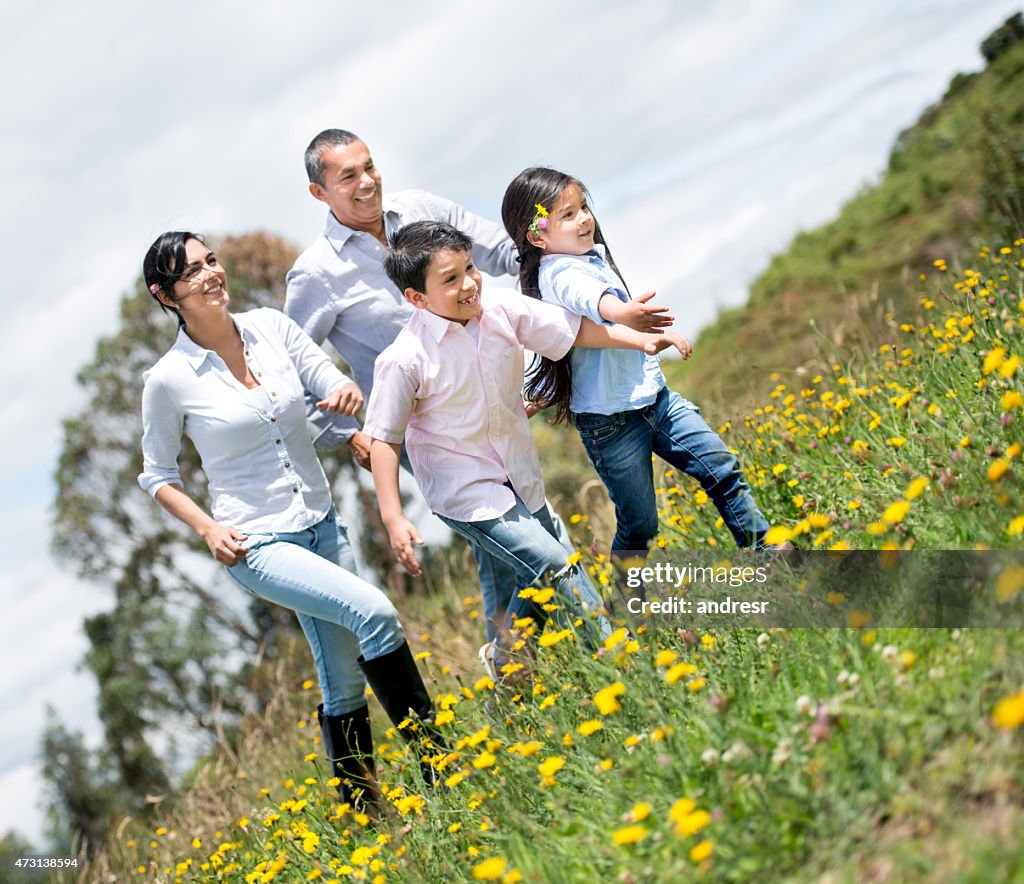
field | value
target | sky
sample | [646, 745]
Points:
[708, 133]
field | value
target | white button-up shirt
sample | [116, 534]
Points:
[454, 393]
[264, 475]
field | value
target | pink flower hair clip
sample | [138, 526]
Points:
[540, 220]
[154, 288]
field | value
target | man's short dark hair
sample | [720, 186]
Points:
[414, 246]
[325, 141]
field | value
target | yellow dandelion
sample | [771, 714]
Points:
[606, 699]
[484, 759]
[639, 812]
[1009, 712]
[701, 851]
[997, 469]
[493, 868]
[445, 716]
[1010, 583]
[615, 639]
[692, 823]
[590, 727]
[697, 684]
[680, 671]
[916, 488]
[665, 658]
[1016, 526]
[778, 534]
[896, 441]
[896, 512]
[550, 766]
[993, 359]
[628, 835]
[1012, 399]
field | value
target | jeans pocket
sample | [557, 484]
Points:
[596, 429]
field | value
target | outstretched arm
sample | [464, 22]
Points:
[384, 460]
[638, 314]
[618, 337]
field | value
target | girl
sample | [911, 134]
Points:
[616, 398]
[235, 384]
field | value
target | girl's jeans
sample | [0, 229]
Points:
[313, 573]
[620, 447]
[528, 543]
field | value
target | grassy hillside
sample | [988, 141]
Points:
[953, 178]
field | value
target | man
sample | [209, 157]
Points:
[338, 291]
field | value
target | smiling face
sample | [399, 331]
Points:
[351, 187]
[570, 226]
[452, 287]
[202, 284]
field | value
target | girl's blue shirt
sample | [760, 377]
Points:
[603, 381]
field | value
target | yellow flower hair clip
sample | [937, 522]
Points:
[540, 220]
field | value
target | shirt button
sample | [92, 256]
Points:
[295, 489]
[259, 374]
[277, 441]
[273, 420]
[287, 463]
[273, 393]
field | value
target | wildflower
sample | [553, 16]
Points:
[896, 442]
[549, 767]
[1009, 712]
[710, 757]
[896, 512]
[1010, 583]
[553, 638]
[665, 658]
[916, 488]
[997, 469]
[993, 359]
[615, 639]
[697, 684]
[628, 835]
[680, 670]
[778, 534]
[1012, 399]
[606, 699]
[1016, 526]
[590, 727]
[803, 705]
[639, 812]
[489, 869]
[701, 851]
[445, 716]
[484, 759]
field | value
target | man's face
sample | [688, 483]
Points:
[453, 286]
[351, 186]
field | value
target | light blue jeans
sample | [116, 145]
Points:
[529, 545]
[620, 447]
[313, 573]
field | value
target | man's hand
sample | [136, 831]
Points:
[403, 535]
[347, 399]
[359, 446]
[636, 314]
[221, 541]
[666, 340]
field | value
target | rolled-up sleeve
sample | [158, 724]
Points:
[162, 425]
[395, 384]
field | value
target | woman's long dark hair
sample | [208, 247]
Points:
[548, 381]
[164, 263]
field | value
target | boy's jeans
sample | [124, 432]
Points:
[620, 447]
[313, 573]
[527, 542]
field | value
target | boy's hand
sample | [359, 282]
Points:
[403, 535]
[347, 399]
[636, 314]
[666, 340]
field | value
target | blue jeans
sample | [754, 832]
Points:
[313, 573]
[528, 543]
[620, 447]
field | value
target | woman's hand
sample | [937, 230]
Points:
[347, 399]
[668, 339]
[636, 314]
[403, 535]
[222, 543]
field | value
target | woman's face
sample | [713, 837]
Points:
[204, 282]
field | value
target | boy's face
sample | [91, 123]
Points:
[453, 286]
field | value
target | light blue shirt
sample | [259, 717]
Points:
[338, 289]
[263, 473]
[603, 381]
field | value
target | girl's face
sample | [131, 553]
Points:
[204, 282]
[570, 226]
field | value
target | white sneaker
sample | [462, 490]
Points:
[486, 654]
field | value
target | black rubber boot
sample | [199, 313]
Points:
[348, 746]
[396, 682]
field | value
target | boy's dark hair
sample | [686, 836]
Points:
[165, 262]
[325, 141]
[414, 246]
[548, 382]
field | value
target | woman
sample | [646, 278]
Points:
[235, 384]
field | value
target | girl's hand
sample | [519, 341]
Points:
[222, 543]
[403, 535]
[666, 340]
[636, 314]
[347, 399]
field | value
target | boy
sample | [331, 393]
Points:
[451, 386]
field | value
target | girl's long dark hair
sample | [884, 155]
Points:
[548, 381]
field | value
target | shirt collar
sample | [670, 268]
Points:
[196, 355]
[436, 326]
[598, 252]
[337, 234]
